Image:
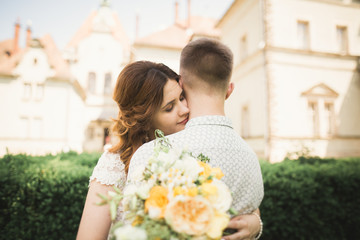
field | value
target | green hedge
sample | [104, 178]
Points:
[311, 199]
[43, 197]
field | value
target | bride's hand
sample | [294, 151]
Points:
[246, 227]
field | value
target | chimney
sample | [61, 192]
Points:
[28, 33]
[176, 12]
[17, 35]
[189, 13]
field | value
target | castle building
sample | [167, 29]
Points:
[296, 75]
[53, 101]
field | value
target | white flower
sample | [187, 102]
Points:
[222, 199]
[129, 200]
[138, 174]
[130, 189]
[154, 212]
[129, 232]
[191, 167]
[143, 190]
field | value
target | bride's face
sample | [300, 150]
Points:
[173, 113]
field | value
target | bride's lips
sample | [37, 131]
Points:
[184, 121]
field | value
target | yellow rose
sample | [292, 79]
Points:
[217, 225]
[192, 192]
[217, 173]
[207, 169]
[189, 215]
[179, 191]
[157, 199]
[210, 171]
[208, 189]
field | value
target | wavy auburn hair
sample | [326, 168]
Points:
[139, 94]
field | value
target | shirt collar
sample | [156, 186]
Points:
[209, 120]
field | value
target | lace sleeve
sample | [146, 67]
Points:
[109, 170]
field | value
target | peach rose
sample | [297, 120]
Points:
[189, 215]
[157, 201]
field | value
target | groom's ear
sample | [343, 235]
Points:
[229, 90]
[181, 82]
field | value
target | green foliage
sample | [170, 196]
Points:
[43, 197]
[309, 198]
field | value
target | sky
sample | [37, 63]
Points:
[62, 18]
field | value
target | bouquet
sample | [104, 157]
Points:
[176, 196]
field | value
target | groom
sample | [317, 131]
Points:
[205, 69]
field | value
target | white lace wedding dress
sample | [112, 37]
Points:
[110, 170]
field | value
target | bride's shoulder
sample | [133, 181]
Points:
[109, 156]
[109, 169]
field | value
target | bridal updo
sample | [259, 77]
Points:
[138, 94]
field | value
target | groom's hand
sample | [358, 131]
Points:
[246, 227]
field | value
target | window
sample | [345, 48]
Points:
[321, 113]
[303, 38]
[24, 127]
[91, 133]
[39, 91]
[342, 39]
[37, 128]
[27, 91]
[245, 122]
[329, 118]
[92, 82]
[107, 84]
[243, 48]
[314, 118]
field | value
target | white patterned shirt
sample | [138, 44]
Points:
[215, 137]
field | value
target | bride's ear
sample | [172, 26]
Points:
[229, 90]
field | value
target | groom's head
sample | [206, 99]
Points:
[206, 66]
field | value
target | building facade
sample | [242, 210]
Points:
[96, 54]
[41, 104]
[53, 101]
[296, 74]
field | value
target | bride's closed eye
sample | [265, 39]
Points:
[169, 108]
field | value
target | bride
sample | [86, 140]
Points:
[149, 97]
